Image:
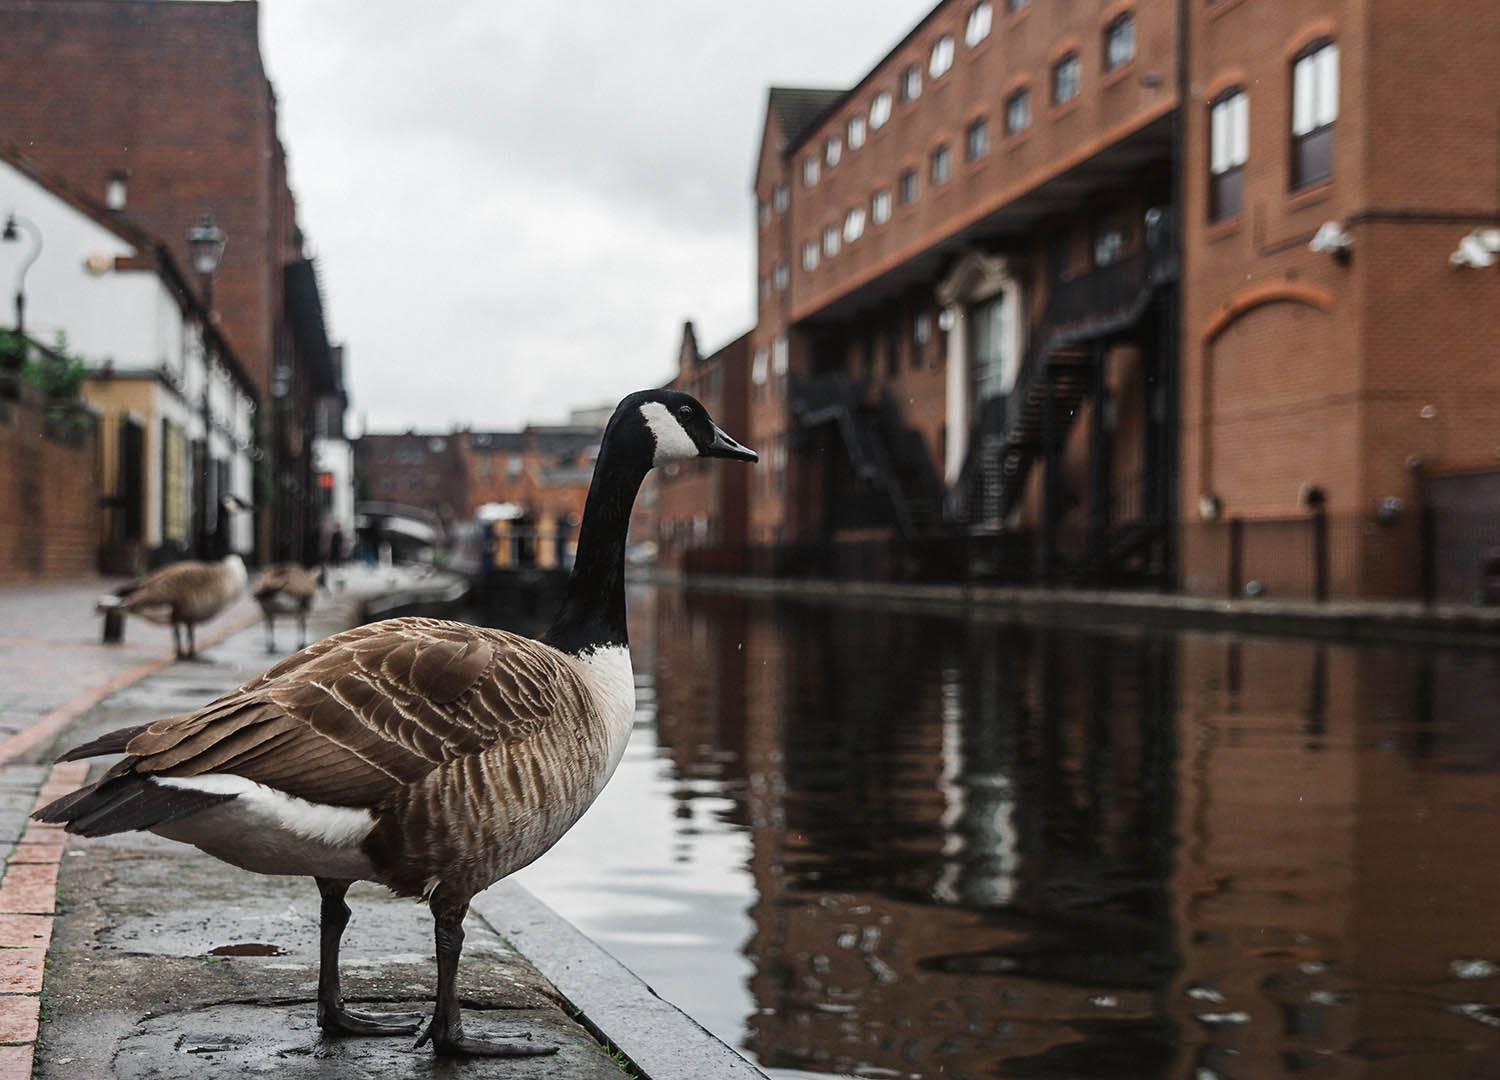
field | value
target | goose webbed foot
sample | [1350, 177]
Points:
[448, 1040]
[335, 1019]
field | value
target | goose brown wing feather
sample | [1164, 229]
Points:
[357, 716]
[165, 585]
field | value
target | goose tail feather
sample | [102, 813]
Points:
[125, 803]
[113, 742]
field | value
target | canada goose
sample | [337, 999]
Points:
[285, 589]
[182, 594]
[430, 756]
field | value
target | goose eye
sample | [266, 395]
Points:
[685, 410]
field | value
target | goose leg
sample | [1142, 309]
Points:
[446, 1030]
[332, 1016]
[177, 640]
[192, 644]
[302, 628]
[270, 633]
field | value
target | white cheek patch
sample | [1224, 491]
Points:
[672, 442]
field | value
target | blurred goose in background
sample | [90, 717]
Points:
[285, 589]
[433, 757]
[182, 595]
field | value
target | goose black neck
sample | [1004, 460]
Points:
[593, 615]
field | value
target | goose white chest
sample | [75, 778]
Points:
[607, 673]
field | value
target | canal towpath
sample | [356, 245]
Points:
[133, 956]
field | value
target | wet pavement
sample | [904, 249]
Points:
[163, 962]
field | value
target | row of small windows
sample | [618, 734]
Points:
[1315, 107]
[1066, 82]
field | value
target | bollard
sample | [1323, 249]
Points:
[114, 627]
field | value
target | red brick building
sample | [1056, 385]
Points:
[163, 112]
[701, 504]
[1132, 290]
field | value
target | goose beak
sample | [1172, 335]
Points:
[725, 447]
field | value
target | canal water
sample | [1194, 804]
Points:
[856, 842]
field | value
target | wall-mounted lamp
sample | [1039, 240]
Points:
[1479, 249]
[1332, 239]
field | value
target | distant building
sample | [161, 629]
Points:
[1113, 292]
[162, 112]
[163, 383]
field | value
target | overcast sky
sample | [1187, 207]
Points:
[515, 205]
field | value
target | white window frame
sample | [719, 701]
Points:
[854, 224]
[940, 60]
[1119, 49]
[880, 110]
[810, 170]
[856, 130]
[1018, 110]
[978, 27]
[809, 255]
[759, 367]
[911, 82]
[880, 207]
[833, 150]
[830, 240]
[1315, 90]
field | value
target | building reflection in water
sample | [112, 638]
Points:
[1001, 850]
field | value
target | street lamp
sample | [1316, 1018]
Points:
[12, 225]
[206, 246]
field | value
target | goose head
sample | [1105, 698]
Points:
[658, 427]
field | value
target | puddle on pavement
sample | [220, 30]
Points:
[248, 948]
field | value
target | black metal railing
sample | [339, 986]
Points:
[895, 480]
[1080, 310]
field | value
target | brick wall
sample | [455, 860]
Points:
[49, 516]
[172, 97]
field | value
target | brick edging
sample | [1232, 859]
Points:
[28, 888]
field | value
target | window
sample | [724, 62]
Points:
[941, 58]
[880, 207]
[1229, 147]
[921, 329]
[833, 150]
[1065, 78]
[1315, 106]
[780, 277]
[809, 171]
[880, 110]
[763, 288]
[763, 213]
[911, 83]
[1109, 241]
[780, 356]
[854, 224]
[1119, 41]
[977, 139]
[758, 372]
[1018, 111]
[978, 26]
[1013, 6]
[781, 198]
[810, 255]
[856, 132]
[114, 191]
[831, 240]
[942, 165]
[906, 187]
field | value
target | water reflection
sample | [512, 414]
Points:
[977, 849]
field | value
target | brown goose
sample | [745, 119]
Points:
[285, 589]
[182, 594]
[430, 756]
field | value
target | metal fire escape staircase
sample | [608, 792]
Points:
[885, 455]
[1056, 375]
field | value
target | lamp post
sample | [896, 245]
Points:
[206, 246]
[13, 225]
